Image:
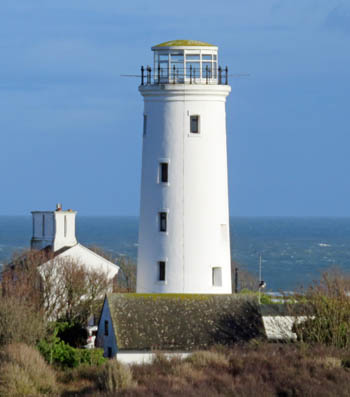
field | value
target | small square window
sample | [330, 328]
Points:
[144, 124]
[163, 221]
[194, 124]
[161, 265]
[163, 172]
[106, 327]
[216, 277]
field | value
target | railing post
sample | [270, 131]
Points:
[220, 75]
[142, 75]
[236, 279]
[158, 73]
[149, 71]
[226, 75]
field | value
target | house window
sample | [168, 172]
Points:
[106, 327]
[163, 221]
[161, 266]
[194, 124]
[109, 353]
[216, 277]
[163, 168]
[144, 124]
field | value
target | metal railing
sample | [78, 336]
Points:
[177, 76]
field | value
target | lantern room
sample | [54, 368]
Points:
[185, 61]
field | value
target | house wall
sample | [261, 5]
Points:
[65, 229]
[106, 341]
[139, 357]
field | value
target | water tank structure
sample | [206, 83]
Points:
[184, 238]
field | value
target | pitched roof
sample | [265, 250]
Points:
[182, 321]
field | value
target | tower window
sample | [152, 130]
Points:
[106, 327]
[163, 172]
[144, 124]
[216, 277]
[163, 221]
[161, 266]
[194, 124]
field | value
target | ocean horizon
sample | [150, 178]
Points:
[295, 250]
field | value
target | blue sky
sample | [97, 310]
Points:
[71, 127]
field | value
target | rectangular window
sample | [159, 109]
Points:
[163, 172]
[216, 277]
[161, 271]
[163, 221]
[106, 327]
[144, 124]
[194, 124]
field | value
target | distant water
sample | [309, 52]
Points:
[294, 250]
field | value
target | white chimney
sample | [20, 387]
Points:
[55, 229]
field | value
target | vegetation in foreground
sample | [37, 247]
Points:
[262, 369]
[39, 357]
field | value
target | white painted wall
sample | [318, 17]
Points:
[196, 197]
[65, 229]
[140, 357]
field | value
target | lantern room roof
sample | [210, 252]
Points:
[183, 43]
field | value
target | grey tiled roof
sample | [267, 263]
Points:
[182, 321]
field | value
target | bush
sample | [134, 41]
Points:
[60, 354]
[330, 320]
[19, 322]
[207, 359]
[114, 376]
[23, 372]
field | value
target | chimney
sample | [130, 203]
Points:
[55, 229]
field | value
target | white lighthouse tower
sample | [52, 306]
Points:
[184, 240]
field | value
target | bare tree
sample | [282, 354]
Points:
[61, 286]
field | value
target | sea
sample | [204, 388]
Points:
[294, 251]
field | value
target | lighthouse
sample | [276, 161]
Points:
[184, 238]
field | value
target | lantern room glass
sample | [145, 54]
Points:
[195, 66]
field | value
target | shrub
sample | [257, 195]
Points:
[24, 372]
[19, 322]
[59, 353]
[14, 381]
[330, 320]
[114, 376]
[208, 358]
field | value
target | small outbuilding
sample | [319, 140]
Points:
[133, 327]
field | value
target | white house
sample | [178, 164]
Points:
[184, 239]
[55, 231]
